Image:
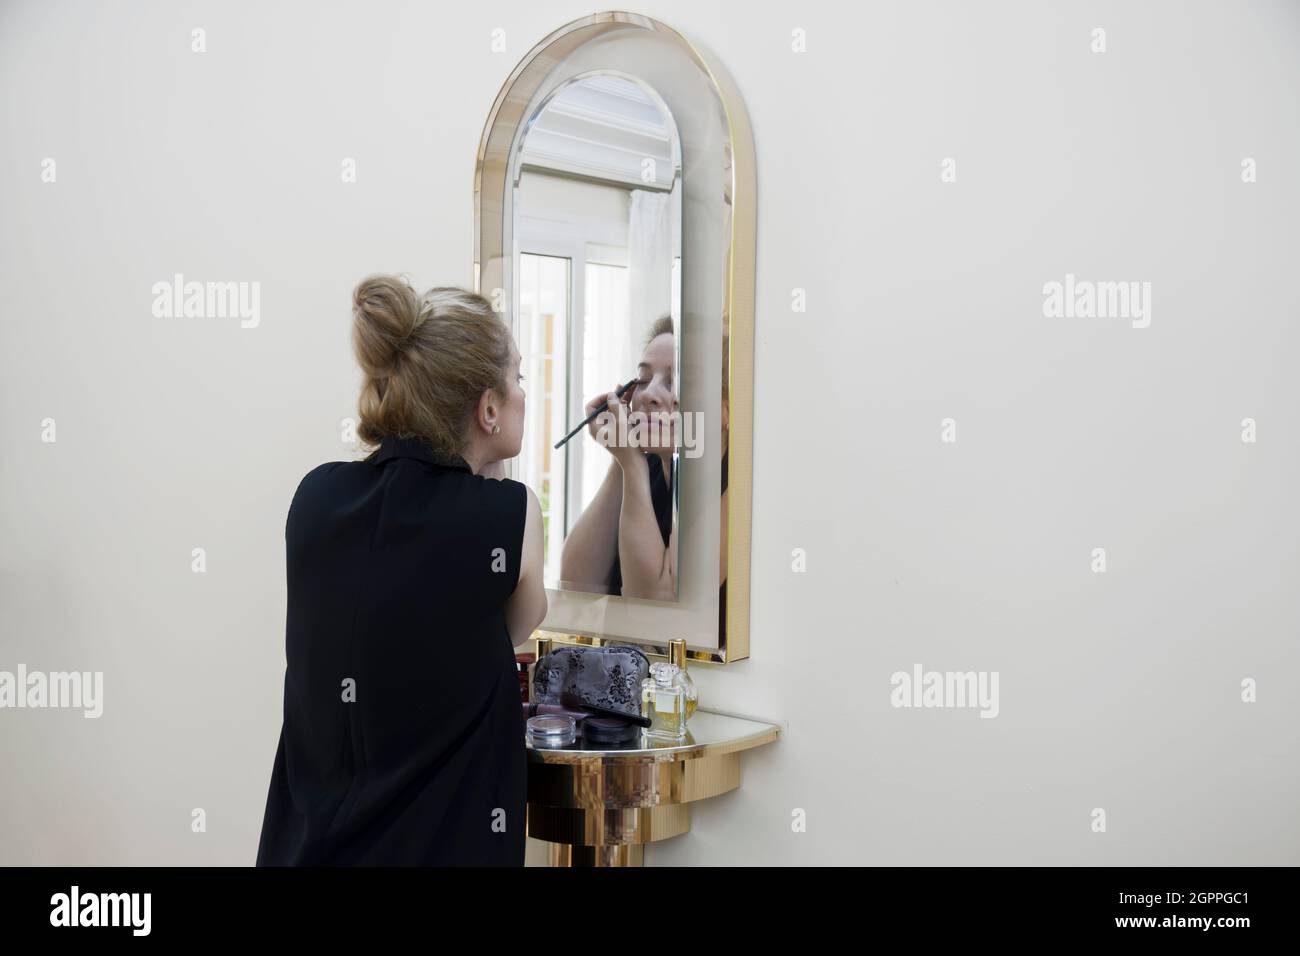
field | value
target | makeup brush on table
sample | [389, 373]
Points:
[572, 701]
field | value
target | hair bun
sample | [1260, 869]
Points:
[385, 311]
[426, 360]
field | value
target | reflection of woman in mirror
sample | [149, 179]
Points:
[625, 541]
[726, 434]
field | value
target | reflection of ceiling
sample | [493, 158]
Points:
[604, 127]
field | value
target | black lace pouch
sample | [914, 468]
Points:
[608, 676]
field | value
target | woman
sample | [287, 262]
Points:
[625, 541]
[412, 576]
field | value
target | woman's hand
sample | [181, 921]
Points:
[605, 427]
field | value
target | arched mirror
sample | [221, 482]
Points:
[614, 200]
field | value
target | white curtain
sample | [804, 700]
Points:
[605, 346]
[650, 263]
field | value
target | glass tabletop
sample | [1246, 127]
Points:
[707, 731]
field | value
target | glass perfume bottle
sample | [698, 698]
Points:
[677, 655]
[663, 700]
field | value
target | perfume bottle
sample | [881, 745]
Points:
[677, 655]
[663, 700]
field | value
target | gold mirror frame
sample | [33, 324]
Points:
[491, 194]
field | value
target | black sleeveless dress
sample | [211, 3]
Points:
[403, 738]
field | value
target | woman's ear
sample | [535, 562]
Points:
[486, 410]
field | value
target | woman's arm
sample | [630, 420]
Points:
[589, 550]
[527, 606]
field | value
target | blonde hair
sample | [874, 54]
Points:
[426, 360]
[661, 326]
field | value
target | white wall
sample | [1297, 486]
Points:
[1118, 690]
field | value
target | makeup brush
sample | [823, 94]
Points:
[573, 702]
[602, 407]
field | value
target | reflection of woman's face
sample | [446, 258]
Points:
[654, 394]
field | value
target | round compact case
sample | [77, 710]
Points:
[609, 731]
[551, 730]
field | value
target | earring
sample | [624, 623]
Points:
[496, 429]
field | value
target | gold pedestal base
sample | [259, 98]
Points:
[601, 807]
[564, 854]
[601, 811]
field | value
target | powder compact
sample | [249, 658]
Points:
[551, 730]
[609, 730]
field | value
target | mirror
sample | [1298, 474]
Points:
[614, 225]
[597, 251]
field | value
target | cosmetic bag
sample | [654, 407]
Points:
[608, 676]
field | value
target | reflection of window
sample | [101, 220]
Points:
[605, 354]
[543, 319]
[565, 364]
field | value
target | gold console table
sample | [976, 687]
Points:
[600, 807]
